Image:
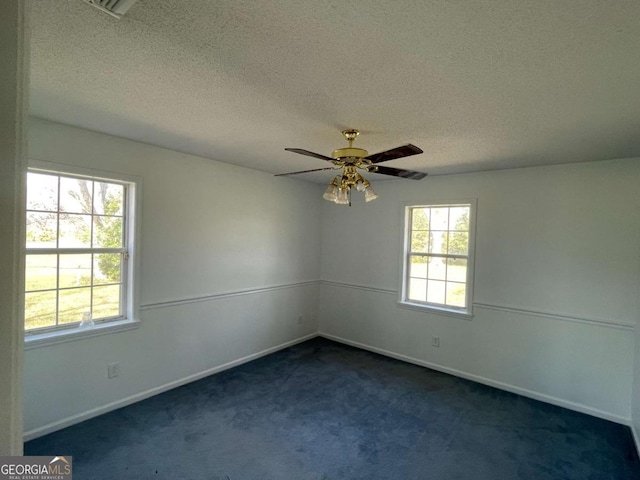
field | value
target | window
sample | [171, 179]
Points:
[79, 237]
[438, 259]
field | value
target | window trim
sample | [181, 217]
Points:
[467, 311]
[131, 284]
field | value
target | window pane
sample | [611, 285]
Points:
[420, 219]
[42, 192]
[42, 230]
[75, 195]
[40, 309]
[438, 269]
[459, 218]
[440, 218]
[418, 267]
[106, 301]
[75, 231]
[417, 289]
[107, 268]
[74, 304]
[420, 241]
[75, 270]
[108, 199]
[436, 291]
[456, 294]
[107, 232]
[40, 272]
[457, 270]
[459, 243]
[439, 242]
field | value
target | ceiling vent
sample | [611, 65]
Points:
[115, 8]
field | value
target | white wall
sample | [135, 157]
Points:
[230, 260]
[556, 282]
[13, 108]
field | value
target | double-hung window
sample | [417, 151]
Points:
[438, 256]
[79, 236]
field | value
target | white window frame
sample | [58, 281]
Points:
[465, 312]
[130, 282]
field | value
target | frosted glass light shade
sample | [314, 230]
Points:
[343, 196]
[369, 194]
[331, 193]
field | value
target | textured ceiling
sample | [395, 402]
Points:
[476, 85]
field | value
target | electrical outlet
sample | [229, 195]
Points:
[113, 370]
[435, 341]
[300, 320]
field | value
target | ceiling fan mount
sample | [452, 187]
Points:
[350, 151]
[351, 159]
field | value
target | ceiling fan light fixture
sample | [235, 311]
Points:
[343, 196]
[369, 193]
[331, 193]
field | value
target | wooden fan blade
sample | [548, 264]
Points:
[398, 152]
[309, 154]
[397, 172]
[303, 171]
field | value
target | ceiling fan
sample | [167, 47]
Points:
[350, 160]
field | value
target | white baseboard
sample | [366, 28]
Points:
[578, 407]
[94, 412]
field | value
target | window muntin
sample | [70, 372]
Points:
[76, 251]
[438, 256]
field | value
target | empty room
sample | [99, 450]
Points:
[319, 239]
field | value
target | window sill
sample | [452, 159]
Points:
[73, 334]
[436, 311]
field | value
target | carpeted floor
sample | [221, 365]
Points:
[321, 410]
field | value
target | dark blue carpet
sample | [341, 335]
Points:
[321, 410]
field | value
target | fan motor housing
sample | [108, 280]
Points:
[350, 152]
